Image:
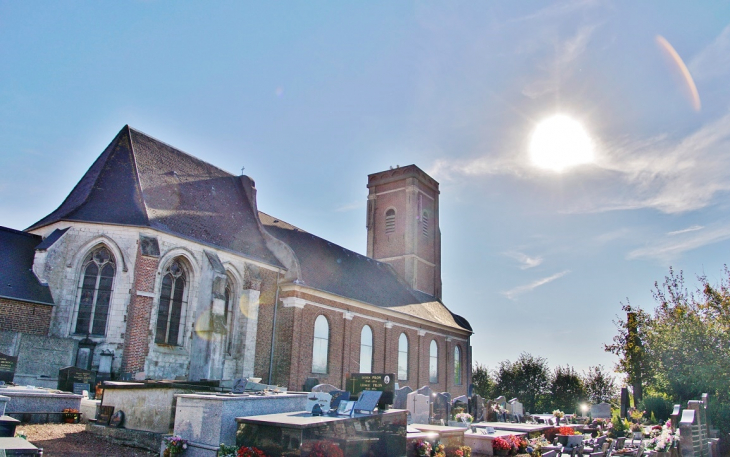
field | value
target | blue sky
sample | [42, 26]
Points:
[310, 97]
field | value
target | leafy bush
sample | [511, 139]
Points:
[657, 405]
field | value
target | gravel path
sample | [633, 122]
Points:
[64, 440]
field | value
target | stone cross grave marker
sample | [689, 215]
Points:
[401, 397]
[601, 411]
[442, 408]
[419, 406]
[8, 364]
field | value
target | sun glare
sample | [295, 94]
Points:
[559, 143]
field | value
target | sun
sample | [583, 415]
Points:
[560, 142]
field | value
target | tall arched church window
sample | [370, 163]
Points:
[457, 366]
[403, 357]
[320, 347]
[390, 221]
[228, 313]
[96, 290]
[366, 350]
[433, 362]
[173, 294]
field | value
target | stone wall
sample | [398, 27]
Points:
[24, 317]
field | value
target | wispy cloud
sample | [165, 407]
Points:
[560, 66]
[513, 293]
[714, 60]
[694, 228]
[526, 261]
[350, 206]
[668, 249]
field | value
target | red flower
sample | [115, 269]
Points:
[244, 451]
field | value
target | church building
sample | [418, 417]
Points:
[165, 261]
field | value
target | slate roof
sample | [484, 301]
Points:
[331, 268]
[17, 281]
[140, 181]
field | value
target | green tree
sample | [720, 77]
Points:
[629, 345]
[566, 389]
[600, 386]
[483, 381]
[527, 378]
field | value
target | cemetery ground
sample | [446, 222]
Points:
[66, 440]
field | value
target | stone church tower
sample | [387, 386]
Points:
[403, 226]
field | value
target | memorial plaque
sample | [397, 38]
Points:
[117, 419]
[239, 386]
[337, 397]
[105, 415]
[383, 382]
[368, 401]
[80, 387]
[8, 364]
[70, 375]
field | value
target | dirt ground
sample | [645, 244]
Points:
[64, 440]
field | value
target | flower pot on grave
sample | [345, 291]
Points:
[574, 440]
[638, 435]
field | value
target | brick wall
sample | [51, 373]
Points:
[24, 317]
[136, 342]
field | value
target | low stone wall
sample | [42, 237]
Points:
[206, 421]
[33, 403]
[135, 438]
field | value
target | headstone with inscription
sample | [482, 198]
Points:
[442, 408]
[419, 406]
[382, 382]
[338, 396]
[601, 411]
[8, 364]
[105, 415]
[459, 405]
[318, 398]
[401, 397]
[479, 408]
[368, 401]
[69, 376]
[239, 386]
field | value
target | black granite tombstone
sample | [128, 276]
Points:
[8, 364]
[441, 408]
[309, 383]
[624, 402]
[400, 400]
[69, 376]
[383, 382]
[105, 415]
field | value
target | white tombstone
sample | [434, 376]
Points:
[516, 408]
[322, 398]
[420, 407]
[601, 411]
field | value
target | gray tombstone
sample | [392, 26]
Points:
[239, 386]
[601, 411]
[425, 390]
[624, 402]
[516, 409]
[459, 402]
[689, 434]
[489, 411]
[309, 383]
[419, 406]
[401, 397]
[480, 410]
[676, 414]
[442, 408]
[326, 388]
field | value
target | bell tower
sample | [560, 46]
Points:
[403, 225]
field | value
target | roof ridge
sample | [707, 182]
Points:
[136, 174]
[179, 150]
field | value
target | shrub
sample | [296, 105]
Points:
[659, 406]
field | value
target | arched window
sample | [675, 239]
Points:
[433, 363]
[320, 347]
[366, 350]
[173, 294]
[457, 366]
[403, 357]
[228, 312]
[390, 221]
[96, 291]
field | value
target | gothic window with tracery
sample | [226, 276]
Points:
[95, 292]
[173, 295]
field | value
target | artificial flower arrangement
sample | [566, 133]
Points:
[244, 451]
[70, 414]
[423, 448]
[664, 440]
[464, 417]
[565, 430]
[439, 450]
[175, 445]
[636, 427]
[501, 444]
[325, 448]
[227, 451]
[458, 451]
[559, 414]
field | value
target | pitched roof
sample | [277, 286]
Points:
[331, 268]
[140, 181]
[17, 281]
